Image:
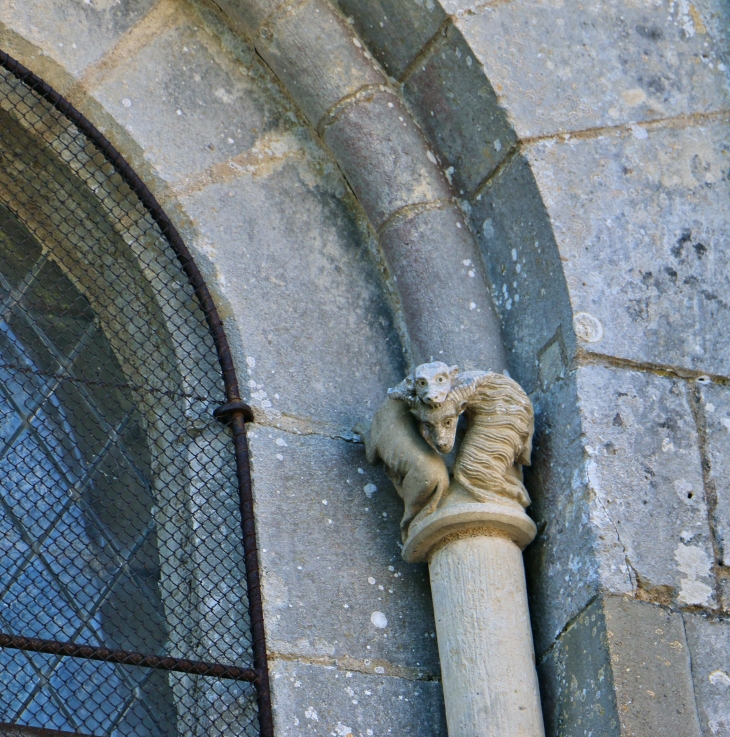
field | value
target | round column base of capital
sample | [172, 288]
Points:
[461, 513]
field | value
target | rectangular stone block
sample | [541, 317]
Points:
[312, 700]
[644, 469]
[313, 334]
[621, 668]
[651, 670]
[576, 680]
[200, 93]
[75, 34]
[458, 110]
[335, 587]
[621, 63]
[709, 647]
[394, 31]
[561, 566]
[311, 36]
[715, 406]
[518, 246]
[641, 222]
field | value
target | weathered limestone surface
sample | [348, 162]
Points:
[640, 222]
[651, 669]
[622, 63]
[715, 408]
[312, 700]
[709, 643]
[76, 34]
[335, 586]
[595, 683]
[576, 679]
[414, 247]
[648, 509]
[301, 38]
[563, 572]
[311, 318]
[457, 108]
[526, 274]
[394, 31]
[198, 93]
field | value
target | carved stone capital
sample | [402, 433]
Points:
[460, 515]
[470, 525]
[417, 426]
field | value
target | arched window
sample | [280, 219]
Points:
[124, 604]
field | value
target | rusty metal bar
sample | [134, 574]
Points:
[235, 415]
[127, 657]
[16, 730]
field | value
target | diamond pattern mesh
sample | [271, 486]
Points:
[120, 527]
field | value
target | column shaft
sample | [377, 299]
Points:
[484, 638]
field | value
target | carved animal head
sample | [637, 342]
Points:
[432, 382]
[438, 422]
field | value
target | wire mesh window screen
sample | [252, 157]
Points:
[123, 599]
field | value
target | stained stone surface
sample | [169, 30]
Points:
[306, 292]
[715, 406]
[530, 294]
[458, 110]
[328, 527]
[394, 31]
[621, 63]
[640, 219]
[563, 573]
[643, 465]
[709, 644]
[76, 34]
[313, 701]
[199, 93]
[576, 679]
[302, 39]
[651, 669]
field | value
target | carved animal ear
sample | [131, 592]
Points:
[453, 371]
[462, 406]
[401, 391]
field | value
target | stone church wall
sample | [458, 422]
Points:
[587, 149]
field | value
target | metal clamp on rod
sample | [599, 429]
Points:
[224, 412]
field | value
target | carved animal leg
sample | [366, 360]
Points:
[371, 452]
[421, 487]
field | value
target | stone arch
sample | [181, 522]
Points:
[151, 356]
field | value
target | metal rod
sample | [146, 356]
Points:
[127, 657]
[16, 730]
[225, 360]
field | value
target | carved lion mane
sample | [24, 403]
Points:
[500, 425]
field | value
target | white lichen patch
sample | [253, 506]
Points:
[379, 620]
[695, 564]
[719, 678]
[587, 327]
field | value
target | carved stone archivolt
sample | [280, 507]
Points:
[417, 427]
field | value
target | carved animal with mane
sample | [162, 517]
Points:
[498, 440]
[501, 423]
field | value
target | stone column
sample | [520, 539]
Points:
[470, 525]
[482, 621]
